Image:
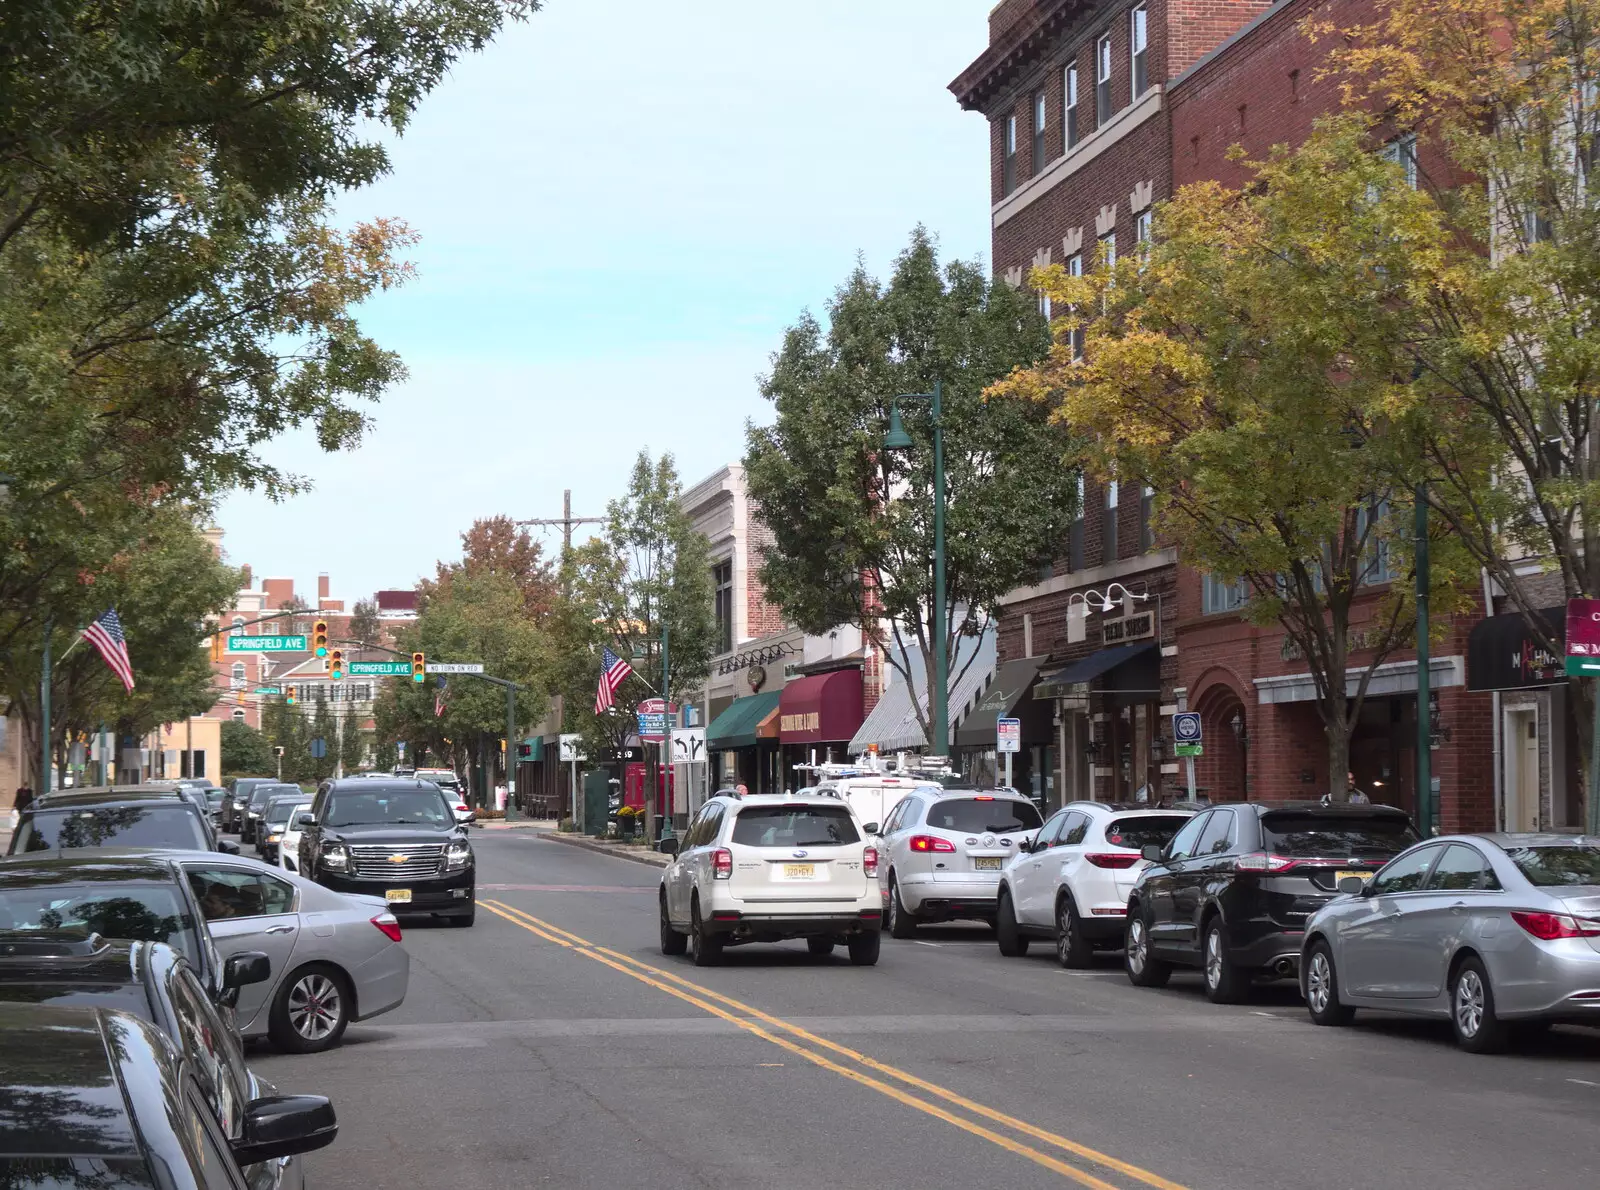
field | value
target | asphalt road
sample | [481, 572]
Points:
[553, 1044]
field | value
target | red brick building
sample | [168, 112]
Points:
[1080, 150]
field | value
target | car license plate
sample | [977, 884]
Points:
[799, 871]
[986, 863]
[398, 896]
[1363, 876]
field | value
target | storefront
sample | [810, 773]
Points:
[818, 715]
[1007, 697]
[742, 743]
[1110, 704]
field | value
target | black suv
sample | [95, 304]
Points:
[397, 839]
[116, 816]
[1231, 893]
[91, 1097]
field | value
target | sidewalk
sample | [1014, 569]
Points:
[627, 851]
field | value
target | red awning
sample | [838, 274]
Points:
[821, 709]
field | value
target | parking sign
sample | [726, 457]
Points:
[1186, 733]
[1008, 735]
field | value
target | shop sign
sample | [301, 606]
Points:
[1583, 637]
[793, 724]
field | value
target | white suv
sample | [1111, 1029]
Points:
[768, 868]
[944, 850]
[1072, 883]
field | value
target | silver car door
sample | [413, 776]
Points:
[1371, 940]
[247, 910]
[1460, 893]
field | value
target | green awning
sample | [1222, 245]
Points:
[739, 725]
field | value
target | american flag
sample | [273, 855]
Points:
[105, 634]
[613, 672]
[438, 701]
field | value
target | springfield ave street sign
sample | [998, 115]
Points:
[379, 667]
[266, 644]
[1583, 637]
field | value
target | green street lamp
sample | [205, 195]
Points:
[898, 439]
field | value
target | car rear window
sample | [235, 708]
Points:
[1551, 867]
[169, 825]
[999, 815]
[794, 826]
[1335, 836]
[1145, 830]
[137, 912]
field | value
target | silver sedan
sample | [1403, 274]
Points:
[1493, 932]
[336, 958]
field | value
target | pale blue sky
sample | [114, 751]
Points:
[622, 205]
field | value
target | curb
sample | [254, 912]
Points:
[651, 859]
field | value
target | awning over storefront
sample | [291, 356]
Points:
[1129, 669]
[1502, 654]
[742, 724]
[892, 723]
[1393, 677]
[1010, 686]
[822, 708]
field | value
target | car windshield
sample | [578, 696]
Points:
[281, 813]
[399, 807]
[1565, 864]
[1000, 815]
[163, 825]
[794, 826]
[262, 794]
[1306, 833]
[74, 1173]
[1144, 830]
[138, 912]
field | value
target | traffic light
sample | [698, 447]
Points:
[319, 638]
[289, 695]
[419, 667]
[219, 646]
[239, 698]
[336, 665]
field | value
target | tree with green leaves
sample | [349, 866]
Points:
[365, 626]
[245, 751]
[352, 743]
[852, 523]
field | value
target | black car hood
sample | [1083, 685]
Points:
[382, 834]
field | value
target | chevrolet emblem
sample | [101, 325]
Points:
[398, 859]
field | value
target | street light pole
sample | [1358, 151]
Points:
[1425, 807]
[44, 713]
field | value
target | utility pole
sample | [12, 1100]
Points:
[44, 713]
[566, 520]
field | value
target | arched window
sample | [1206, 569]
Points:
[238, 623]
[238, 671]
[238, 714]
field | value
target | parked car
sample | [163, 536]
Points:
[260, 795]
[238, 798]
[769, 868]
[130, 815]
[128, 1110]
[1071, 883]
[288, 845]
[397, 840]
[943, 851]
[1232, 891]
[1492, 932]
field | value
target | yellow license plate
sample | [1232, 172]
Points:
[398, 896]
[1362, 876]
[799, 871]
[986, 863]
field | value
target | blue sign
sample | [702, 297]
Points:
[1186, 727]
[319, 748]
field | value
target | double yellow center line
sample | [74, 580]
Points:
[1000, 1128]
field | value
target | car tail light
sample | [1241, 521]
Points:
[722, 864]
[1113, 859]
[984, 797]
[869, 861]
[1261, 861]
[390, 927]
[930, 843]
[1550, 926]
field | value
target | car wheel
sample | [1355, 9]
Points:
[1321, 988]
[901, 923]
[672, 942]
[1144, 969]
[1478, 1029]
[1226, 981]
[310, 1010]
[1072, 948]
[864, 948]
[821, 947]
[705, 948]
[1012, 943]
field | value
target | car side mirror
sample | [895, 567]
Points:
[1353, 886]
[250, 967]
[227, 848]
[1151, 852]
[872, 828]
[305, 820]
[284, 1125]
[669, 846]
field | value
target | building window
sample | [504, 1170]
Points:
[1044, 303]
[1075, 269]
[238, 671]
[1403, 152]
[269, 629]
[1108, 248]
[1376, 564]
[302, 627]
[1217, 596]
[1040, 116]
[1147, 530]
[197, 762]
[1008, 166]
[722, 581]
[238, 624]
[1108, 544]
[1142, 228]
[1139, 45]
[1075, 533]
[1069, 88]
[1102, 81]
[238, 717]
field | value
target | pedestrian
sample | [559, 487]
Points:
[24, 798]
[1354, 793]
[742, 790]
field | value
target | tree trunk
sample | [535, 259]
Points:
[1339, 760]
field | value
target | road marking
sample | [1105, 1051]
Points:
[920, 942]
[702, 996]
[1583, 1082]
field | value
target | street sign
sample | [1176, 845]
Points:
[269, 690]
[1186, 733]
[572, 749]
[378, 667]
[319, 748]
[689, 745]
[1583, 637]
[266, 644]
[652, 715]
[455, 667]
[1008, 735]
